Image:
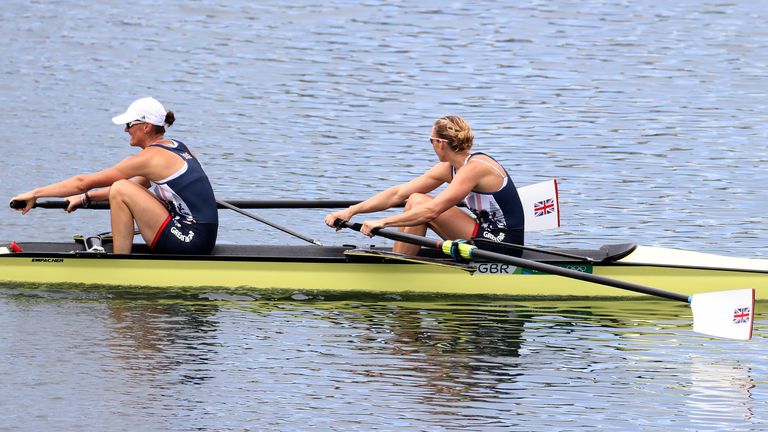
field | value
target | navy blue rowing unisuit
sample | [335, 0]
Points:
[192, 226]
[499, 214]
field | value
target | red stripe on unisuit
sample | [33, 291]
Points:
[159, 231]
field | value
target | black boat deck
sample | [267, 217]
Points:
[604, 254]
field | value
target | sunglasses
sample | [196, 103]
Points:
[133, 123]
[433, 139]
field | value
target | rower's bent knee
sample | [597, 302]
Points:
[122, 190]
[417, 199]
[120, 187]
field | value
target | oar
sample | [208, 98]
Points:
[727, 314]
[222, 204]
[293, 204]
[278, 204]
[243, 204]
[275, 204]
[264, 221]
[532, 194]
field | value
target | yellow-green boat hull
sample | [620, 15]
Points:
[386, 275]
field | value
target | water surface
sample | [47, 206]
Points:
[651, 115]
[245, 361]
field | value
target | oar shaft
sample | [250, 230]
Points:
[293, 204]
[56, 204]
[470, 251]
[62, 204]
[264, 221]
[243, 204]
[474, 252]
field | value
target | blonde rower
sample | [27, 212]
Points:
[496, 212]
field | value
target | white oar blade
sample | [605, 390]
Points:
[541, 205]
[726, 314]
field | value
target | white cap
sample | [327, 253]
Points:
[145, 109]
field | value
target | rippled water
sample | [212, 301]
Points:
[650, 114]
[128, 361]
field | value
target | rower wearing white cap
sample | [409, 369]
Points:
[162, 189]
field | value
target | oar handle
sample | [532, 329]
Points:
[57, 204]
[393, 235]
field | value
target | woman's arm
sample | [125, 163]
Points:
[395, 195]
[129, 167]
[462, 184]
[85, 199]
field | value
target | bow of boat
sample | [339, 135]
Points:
[667, 257]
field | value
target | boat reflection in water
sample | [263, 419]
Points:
[151, 339]
[280, 357]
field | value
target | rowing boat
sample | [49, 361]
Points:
[349, 268]
[482, 268]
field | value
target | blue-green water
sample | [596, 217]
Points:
[651, 115]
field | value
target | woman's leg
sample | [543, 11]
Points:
[129, 201]
[453, 224]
